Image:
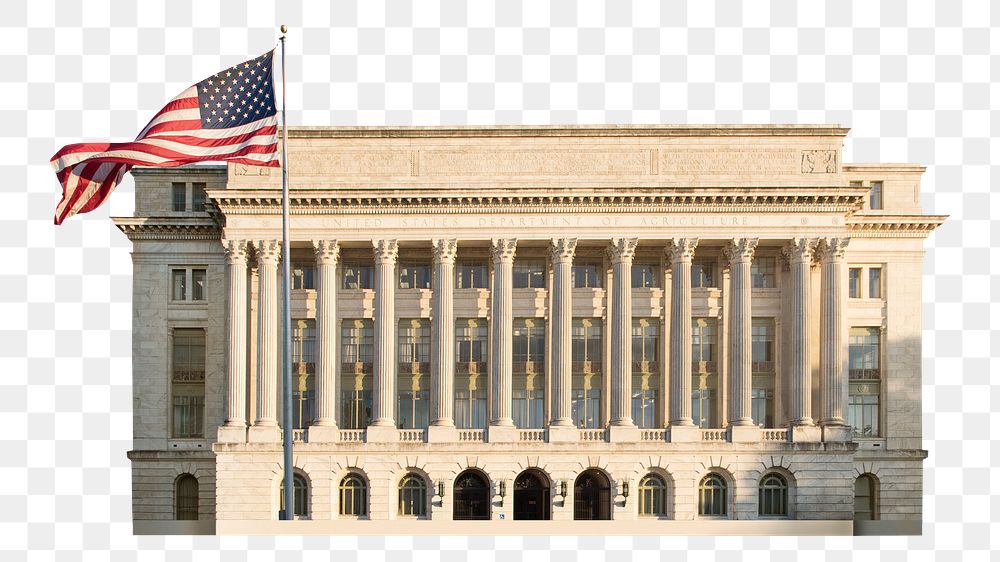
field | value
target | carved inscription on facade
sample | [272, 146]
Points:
[715, 161]
[540, 162]
[248, 170]
[352, 163]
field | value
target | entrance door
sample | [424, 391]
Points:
[592, 496]
[531, 496]
[472, 497]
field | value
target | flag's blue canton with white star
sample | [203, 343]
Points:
[238, 95]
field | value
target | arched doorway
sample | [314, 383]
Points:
[531, 496]
[472, 496]
[592, 496]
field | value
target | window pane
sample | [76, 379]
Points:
[358, 276]
[179, 196]
[876, 196]
[703, 273]
[472, 275]
[198, 196]
[875, 283]
[762, 272]
[303, 276]
[854, 282]
[644, 275]
[586, 276]
[529, 274]
[198, 284]
[179, 283]
[188, 382]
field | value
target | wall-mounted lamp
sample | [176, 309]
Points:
[625, 491]
[562, 488]
[441, 489]
[503, 488]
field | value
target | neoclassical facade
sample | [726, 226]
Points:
[665, 329]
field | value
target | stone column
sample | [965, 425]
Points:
[833, 339]
[501, 332]
[383, 424]
[324, 428]
[679, 252]
[740, 253]
[622, 426]
[799, 253]
[265, 428]
[442, 423]
[561, 425]
[235, 428]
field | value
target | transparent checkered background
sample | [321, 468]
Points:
[914, 81]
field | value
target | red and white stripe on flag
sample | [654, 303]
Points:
[228, 117]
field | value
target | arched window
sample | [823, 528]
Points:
[412, 496]
[300, 491]
[186, 498]
[772, 496]
[592, 496]
[865, 505]
[353, 495]
[471, 496]
[652, 496]
[712, 498]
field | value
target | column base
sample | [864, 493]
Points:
[807, 434]
[264, 434]
[744, 434]
[381, 434]
[502, 434]
[837, 433]
[442, 434]
[232, 434]
[623, 434]
[685, 433]
[324, 434]
[563, 434]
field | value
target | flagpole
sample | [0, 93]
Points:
[286, 297]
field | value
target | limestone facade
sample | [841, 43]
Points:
[700, 304]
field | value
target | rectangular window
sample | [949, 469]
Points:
[529, 341]
[875, 282]
[470, 402]
[587, 275]
[644, 275]
[863, 408]
[414, 341]
[356, 350]
[854, 283]
[529, 373]
[763, 371]
[178, 279]
[472, 275]
[414, 276]
[586, 407]
[198, 196]
[587, 344]
[863, 353]
[358, 276]
[188, 383]
[643, 406]
[704, 373]
[762, 272]
[303, 276]
[875, 200]
[529, 274]
[528, 406]
[179, 190]
[470, 341]
[645, 370]
[703, 273]
[586, 372]
[303, 372]
[197, 284]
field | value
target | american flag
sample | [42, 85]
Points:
[229, 116]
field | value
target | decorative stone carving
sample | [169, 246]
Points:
[386, 251]
[534, 162]
[563, 249]
[503, 250]
[740, 250]
[236, 252]
[831, 248]
[716, 161]
[819, 161]
[327, 252]
[248, 170]
[445, 250]
[623, 249]
[681, 249]
[268, 252]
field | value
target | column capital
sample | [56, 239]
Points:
[386, 251]
[799, 250]
[831, 249]
[268, 251]
[445, 250]
[740, 249]
[327, 251]
[236, 251]
[680, 249]
[563, 249]
[623, 249]
[502, 250]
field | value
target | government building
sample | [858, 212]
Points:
[533, 330]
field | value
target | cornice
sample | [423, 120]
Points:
[535, 131]
[334, 202]
[172, 228]
[893, 226]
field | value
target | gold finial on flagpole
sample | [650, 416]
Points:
[284, 28]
